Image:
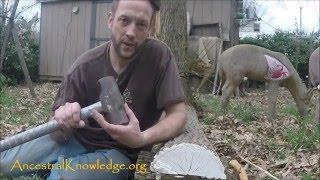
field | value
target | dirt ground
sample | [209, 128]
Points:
[262, 141]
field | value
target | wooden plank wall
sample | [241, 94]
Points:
[102, 29]
[211, 12]
[64, 36]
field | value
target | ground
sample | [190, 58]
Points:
[287, 147]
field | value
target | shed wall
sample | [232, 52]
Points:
[102, 32]
[210, 12]
[64, 36]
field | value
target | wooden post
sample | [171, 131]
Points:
[22, 61]
[317, 115]
[7, 33]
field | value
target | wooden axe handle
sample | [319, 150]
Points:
[43, 129]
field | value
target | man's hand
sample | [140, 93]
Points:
[68, 116]
[129, 134]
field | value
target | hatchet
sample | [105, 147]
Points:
[110, 102]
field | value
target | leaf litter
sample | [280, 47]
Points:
[260, 141]
[20, 111]
[263, 141]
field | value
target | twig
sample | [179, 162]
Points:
[3, 16]
[23, 10]
[259, 168]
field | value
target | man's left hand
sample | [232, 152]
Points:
[129, 134]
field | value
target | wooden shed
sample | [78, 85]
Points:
[69, 28]
[214, 18]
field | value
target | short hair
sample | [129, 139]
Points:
[155, 4]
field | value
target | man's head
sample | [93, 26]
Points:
[154, 3]
[130, 23]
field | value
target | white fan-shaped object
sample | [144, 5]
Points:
[188, 159]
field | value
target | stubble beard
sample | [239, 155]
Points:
[119, 51]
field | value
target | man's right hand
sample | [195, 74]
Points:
[68, 116]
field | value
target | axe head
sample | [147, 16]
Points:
[112, 101]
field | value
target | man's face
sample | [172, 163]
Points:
[130, 26]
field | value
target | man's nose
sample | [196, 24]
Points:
[131, 30]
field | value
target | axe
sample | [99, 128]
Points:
[110, 102]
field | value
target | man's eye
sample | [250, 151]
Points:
[124, 21]
[142, 26]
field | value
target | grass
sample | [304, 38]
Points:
[305, 134]
[293, 132]
[290, 110]
[210, 103]
[307, 176]
[5, 98]
[30, 177]
[6, 102]
[280, 152]
[15, 108]
[212, 106]
[245, 111]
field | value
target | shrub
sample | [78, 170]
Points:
[12, 70]
[297, 46]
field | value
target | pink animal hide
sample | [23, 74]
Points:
[276, 70]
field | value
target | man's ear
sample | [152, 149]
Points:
[110, 19]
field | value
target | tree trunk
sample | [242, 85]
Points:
[173, 31]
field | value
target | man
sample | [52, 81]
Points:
[147, 76]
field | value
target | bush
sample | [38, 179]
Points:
[297, 46]
[12, 70]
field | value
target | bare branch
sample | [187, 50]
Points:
[23, 10]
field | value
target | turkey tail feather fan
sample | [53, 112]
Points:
[190, 160]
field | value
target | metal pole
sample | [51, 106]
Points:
[43, 129]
